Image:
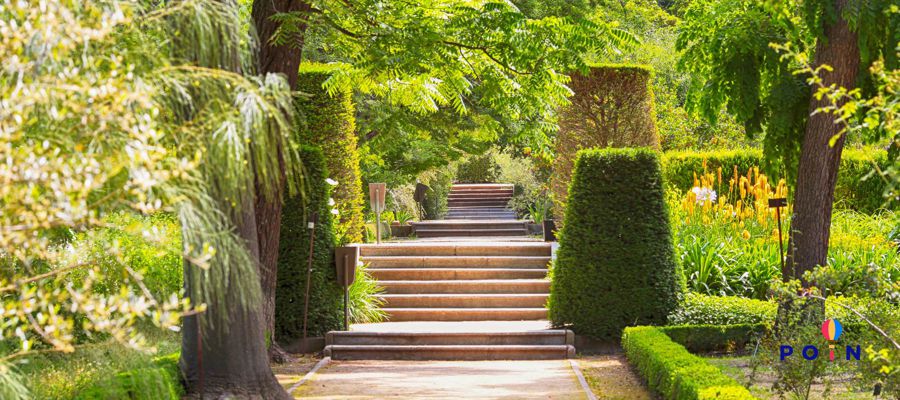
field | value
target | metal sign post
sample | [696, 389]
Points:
[376, 199]
[777, 204]
[313, 218]
[345, 260]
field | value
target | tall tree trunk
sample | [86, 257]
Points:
[230, 362]
[819, 161]
[281, 60]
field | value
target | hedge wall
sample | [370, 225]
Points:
[325, 303]
[616, 265]
[612, 106]
[330, 124]
[673, 372]
[853, 191]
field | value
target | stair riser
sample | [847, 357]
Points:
[470, 233]
[473, 301]
[478, 202]
[480, 217]
[415, 274]
[456, 261]
[512, 249]
[479, 195]
[498, 353]
[412, 287]
[472, 226]
[442, 339]
[471, 186]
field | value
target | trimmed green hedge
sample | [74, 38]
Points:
[331, 125]
[673, 372]
[700, 309]
[853, 190]
[616, 265]
[714, 338]
[161, 382]
[611, 106]
[325, 296]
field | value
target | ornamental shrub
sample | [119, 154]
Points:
[325, 296]
[699, 309]
[612, 106]
[478, 169]
[616, 264]
[670, 370]
[331, 126]
[714, 338]
[857, 188]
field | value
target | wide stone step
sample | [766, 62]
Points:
[430, 233]
[524, 249]
[550, 337]
[436, 274]
[444, 224]
[465, 314]
[532, 262]
[506, 300]
[471, 194]
[461, 353]
[478, 202]
[481, 286]
[477, 217]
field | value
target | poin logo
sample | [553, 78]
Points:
[831, 330]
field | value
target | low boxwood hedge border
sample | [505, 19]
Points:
[672, 371]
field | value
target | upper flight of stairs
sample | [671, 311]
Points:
[458, 281]
[480, 201]
[475, 210]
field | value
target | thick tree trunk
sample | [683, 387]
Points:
[819, 161]
[229, 362]
[281, 60]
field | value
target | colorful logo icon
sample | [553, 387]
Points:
[832, 330]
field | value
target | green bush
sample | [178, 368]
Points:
[330, 125]
[325, 296]
[612, 106]
[714, 338]
[855, 189]
[699, 309]
[616, 265]
[439, 182]
[673, 372]
[478, 169]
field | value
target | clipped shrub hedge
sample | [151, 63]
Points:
[616, 265]
[325, 296]
[673, 372]
[330, 125]
[714, 338]
[612, 106]
[855, 189]
[700, 309]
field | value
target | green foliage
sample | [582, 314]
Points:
[479, 168]
[439, 182]
[365, 300]
[698, 309]
[612, 105]
[672, 371]
[615, 266]
[325, 296]
[714, 338]
[330, 125]
[527, 177]
[139, 384]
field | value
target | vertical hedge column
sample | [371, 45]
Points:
[330, 125]
[612, 106]
[616, 265]
[325, 303]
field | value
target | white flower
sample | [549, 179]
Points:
[703, 194]
[331, 182]
[330, 201]
[335, 211]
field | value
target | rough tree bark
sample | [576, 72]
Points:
[230, 363]
[283, 60]
[819, 161]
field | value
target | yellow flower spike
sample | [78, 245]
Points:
[745, 234]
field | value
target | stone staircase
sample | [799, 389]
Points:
[480, 201]
[440, 284]
[475, 210]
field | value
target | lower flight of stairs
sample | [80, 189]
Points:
[460, 228]
[458, 281]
